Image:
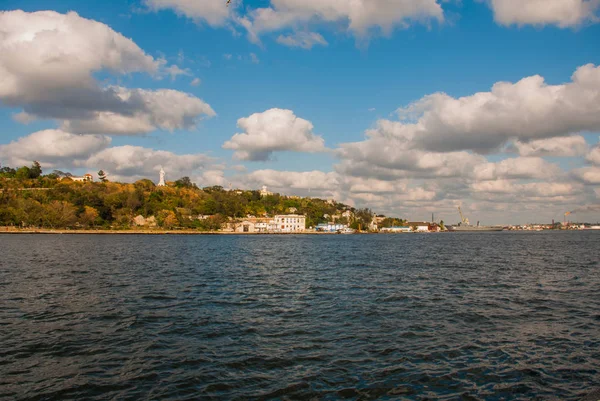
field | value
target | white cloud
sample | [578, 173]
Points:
[306, 180]
[534, 189]
[387, 154]
[517, 168]
[51, 148]
[527, 110]
[254, 58]
[594, 155]
[196, 82]
[164, 109]
[214, 13]
[130, 163]
[173, 71]
[567, 146]
[305, 40]
[45, 52]
[47, 63]
[359, 15]
[227, 56]
[210, 178]
[588, 175]
[562, 13]
[272, 131]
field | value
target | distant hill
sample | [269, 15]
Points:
[65, 203]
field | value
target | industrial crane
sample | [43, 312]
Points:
[462, 217]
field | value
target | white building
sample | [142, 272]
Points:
[83, 178]
[290, 223]
[331, 227]
[419, 226]
[261, 227]
[264, 191]
[244, 227]
[396, 229]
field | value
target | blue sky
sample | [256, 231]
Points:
[343, 89]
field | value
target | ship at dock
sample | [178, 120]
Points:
[464, 225]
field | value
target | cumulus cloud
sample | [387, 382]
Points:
[517, 168]
[47, 63]
[562, 13]
[588, 175]
[195, 82]
[130, 163]
[164, 109]
[52, 148]
[360, 16]
[567, 146]
[304, 40]
[294, 180]
[272, 131]
[45, 53]
[594, 155]
[527, 110]
[387, 154]
[65, 150]
[211, 12]
[533, 189]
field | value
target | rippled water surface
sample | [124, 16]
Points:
[485, 316]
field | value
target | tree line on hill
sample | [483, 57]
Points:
[28, 198]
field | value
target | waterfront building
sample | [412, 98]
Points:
[420, 226]
[245, 227]
[397, 229]
[261, 227]
[331, 227]
[290, 223]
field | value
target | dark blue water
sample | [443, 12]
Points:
[462, 316]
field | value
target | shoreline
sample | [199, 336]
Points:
[44, 231]
[8, 230]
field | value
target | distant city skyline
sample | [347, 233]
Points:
[409, 108]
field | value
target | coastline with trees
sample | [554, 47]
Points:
[33, 202]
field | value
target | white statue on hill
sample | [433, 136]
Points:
[161, 181]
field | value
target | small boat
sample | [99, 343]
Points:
[347, 231]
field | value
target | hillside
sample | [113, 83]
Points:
[56, 201]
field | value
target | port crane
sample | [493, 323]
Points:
[465, 220]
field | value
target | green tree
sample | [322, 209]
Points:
[442, 226]
[7, 172]
[145, 184]
[36, 170]
[185, 182]
[23, 173]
